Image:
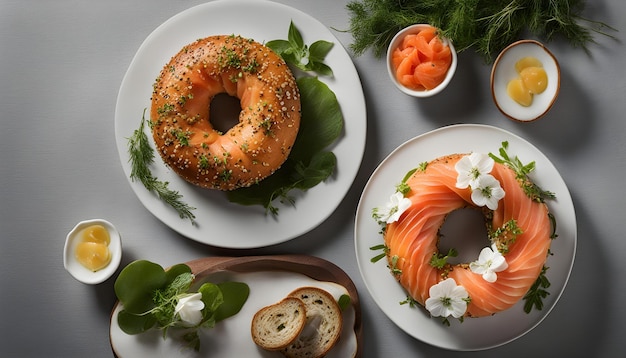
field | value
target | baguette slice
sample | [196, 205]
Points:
[323, 326]
[276, 326]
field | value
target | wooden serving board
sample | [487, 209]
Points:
[313, 267]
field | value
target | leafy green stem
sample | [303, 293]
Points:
[141, 157]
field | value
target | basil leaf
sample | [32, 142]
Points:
[294, 36]
[320, 68]
[319, 49]
[279, 46]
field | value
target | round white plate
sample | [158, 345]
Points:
[219, 222]
[477, 333]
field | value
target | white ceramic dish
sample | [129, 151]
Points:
[219, 221]
[270, 279]
[503, 71]
[472, 334]
[80, 272]
[395, 42]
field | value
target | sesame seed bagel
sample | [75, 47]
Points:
[268, 124]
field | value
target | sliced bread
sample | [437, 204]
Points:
[276, 326]
[323, 326]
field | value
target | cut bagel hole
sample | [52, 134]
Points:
[224, 112]
[465, 231]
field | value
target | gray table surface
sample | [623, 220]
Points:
[61, 65]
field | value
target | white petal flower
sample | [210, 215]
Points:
[490, 261]
[392, 211]
[446, 298]
[189, 308]
[488, 192]
[470, 168]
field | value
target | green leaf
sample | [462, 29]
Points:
[319, 49]
[279, 46]
[212, 297]
[320, 167]
[235, 296]
[294, 36]
[136, 283]
[344, 302]
[175, 271]
[131, 323]
[322, 120]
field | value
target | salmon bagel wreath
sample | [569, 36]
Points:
[519, 229]
[269, 120]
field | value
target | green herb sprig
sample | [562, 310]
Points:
[537, 292]
[439, 260]
[295, 52]
[488, 26]
[141, 157]
[149, 295]
[522, 171]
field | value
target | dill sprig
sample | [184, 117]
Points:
[141, 157]
[488, 26]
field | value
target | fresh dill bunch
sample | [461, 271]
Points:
[141, 157]
[487, 26]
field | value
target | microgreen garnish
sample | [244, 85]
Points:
[535, 295]
[385, 251]
[152, 297]
[394, 265]
[307, 58]
[440, 260]
[522, 171]
[141, 157]
[506, 235]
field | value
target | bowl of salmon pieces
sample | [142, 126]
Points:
[420, 61]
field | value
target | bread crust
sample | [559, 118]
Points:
[325, 322]
[276, 326]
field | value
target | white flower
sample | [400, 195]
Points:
[393, 209]
[488, 192]
[490, 261]
[472, 167]
[189, 308]
[446, 298]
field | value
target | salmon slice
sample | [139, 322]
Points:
[413, 239]
[422, 60]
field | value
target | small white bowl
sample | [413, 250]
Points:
[503, 71]
[395, 42]
[76, 269]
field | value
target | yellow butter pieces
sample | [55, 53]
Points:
[93, 250]
[532, 79]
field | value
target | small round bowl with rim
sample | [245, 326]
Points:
[397, 40]
[503, 71]
[80, 272]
